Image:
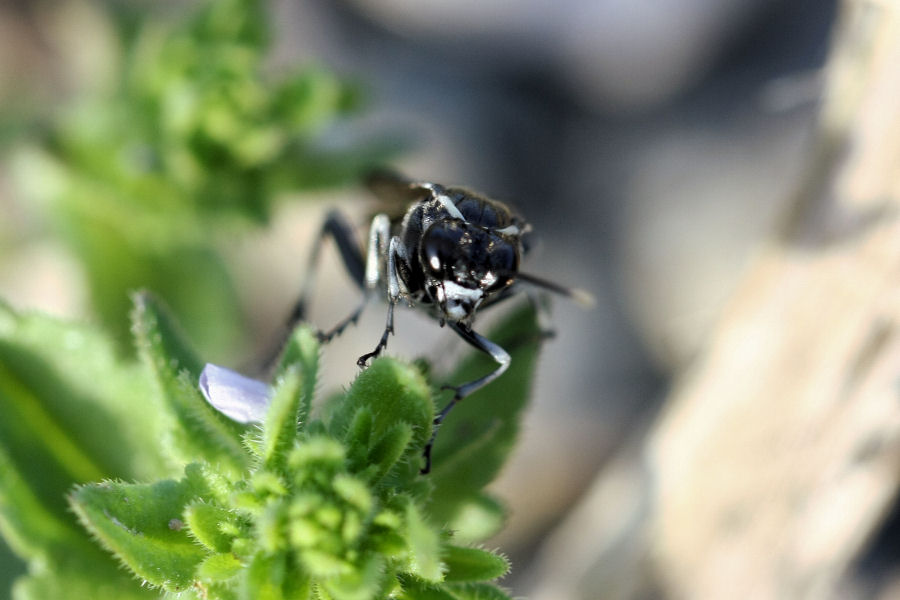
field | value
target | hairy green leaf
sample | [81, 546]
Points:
[302, 350]
[205, 522]
[472, 564]
[30, 528]
[389, 449]
[478, 517]
[367, 581]
[394, 393]
[219, 567]
[156, 331]
[425, 546]
[281, 425]
[142, 525]
[198, 431]
[292, 398]
[88, 579]
[416, 589]
[477, 591]
[73, 412]
[272, 577]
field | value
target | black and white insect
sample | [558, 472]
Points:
[453, 253]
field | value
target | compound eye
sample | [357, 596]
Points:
[504, 261]
[440, 248]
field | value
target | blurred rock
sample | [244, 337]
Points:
[699, 206]
[774, 465]
[612, 54]
[627, 56]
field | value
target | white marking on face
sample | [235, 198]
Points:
[435, 262]
[455, 298]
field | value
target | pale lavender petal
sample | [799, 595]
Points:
[237, 397]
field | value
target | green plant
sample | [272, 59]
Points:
[316, 502]
[198, 136]
[117, 479]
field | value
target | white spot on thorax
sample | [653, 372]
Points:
[445, 201]
[509, 230]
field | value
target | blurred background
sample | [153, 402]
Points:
[653, 146]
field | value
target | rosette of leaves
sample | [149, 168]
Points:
[316, 502]
[148, 178]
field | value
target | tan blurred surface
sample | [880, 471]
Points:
[778, 456]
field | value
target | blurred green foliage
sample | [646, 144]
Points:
[190, 502]
[146, 181]
[197, 138]
[72, 413]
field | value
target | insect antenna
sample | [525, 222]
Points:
[581, 297]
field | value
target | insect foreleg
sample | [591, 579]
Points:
[336, 227]
[379, 233]
[379, 240]
[480, 342]
[395, 252]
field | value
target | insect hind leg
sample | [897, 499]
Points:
[367, 277]
[337, 227]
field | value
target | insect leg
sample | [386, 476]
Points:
[338, 228]
[379, 232]
[379, 239]
[478, 341]
[395, 252]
